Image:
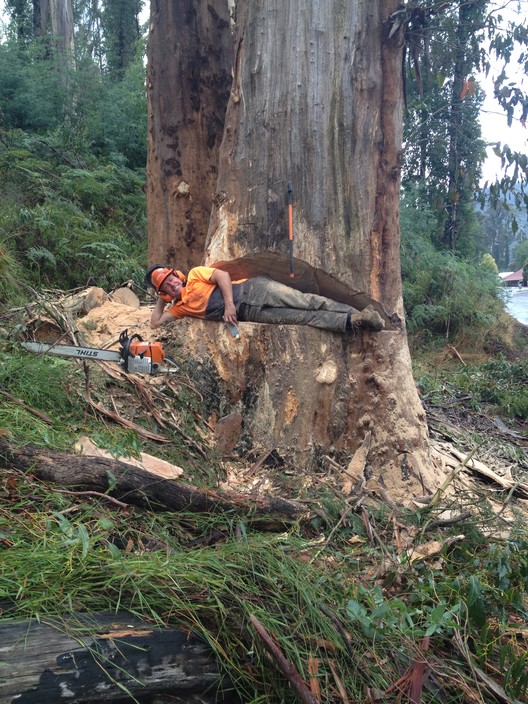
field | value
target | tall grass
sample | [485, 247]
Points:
[11, 275]
[68, 556]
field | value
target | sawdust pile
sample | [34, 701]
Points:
[102, 325]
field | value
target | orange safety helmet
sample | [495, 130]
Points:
[157, 274]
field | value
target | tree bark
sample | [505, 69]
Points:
[142, 488]
[61, 12]
[188, 81]
[40, 17]
[89, 658]
[316, 100]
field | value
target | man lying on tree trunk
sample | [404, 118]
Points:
[210, 294]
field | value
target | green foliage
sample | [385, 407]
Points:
[511, 186]
[444, 150]
[96, 558]
[72, 162]
[42, 384]
[76, 561]
[521, 255]
[110, 116]
[498, 384]
[480, 588]
[119, 443]
[71, 223]
[115, 118]
[121, 33]
[487, 262]
[383, 619]
[10, 276]
[498, 231]
[442, 132]
[443, 294]
[32, 97]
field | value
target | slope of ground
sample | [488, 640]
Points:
[366, 600]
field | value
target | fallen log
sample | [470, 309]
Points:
[136, 486]
[104, 657]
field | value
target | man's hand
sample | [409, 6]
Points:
[223, 281]
[159, 316]
[230, 315]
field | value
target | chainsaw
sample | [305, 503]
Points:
[135, 356]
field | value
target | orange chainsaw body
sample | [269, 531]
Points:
[153, 350]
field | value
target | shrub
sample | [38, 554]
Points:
[71, 221]
[10, 276]
[442, 292]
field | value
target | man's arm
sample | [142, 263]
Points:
[223, 281]
[159, 316]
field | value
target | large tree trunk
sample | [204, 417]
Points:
[61, 12]
[317, 100]
[188, 79]
[40, 17]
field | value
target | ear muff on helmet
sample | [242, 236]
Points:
[157, 274]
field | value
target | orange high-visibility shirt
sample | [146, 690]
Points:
[196, 293]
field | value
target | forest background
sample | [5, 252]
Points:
[73, 120]
[73, 126]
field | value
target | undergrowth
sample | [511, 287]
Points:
[362, 609]
[498, 385]
[340, 592]
[55, 412]
[68, 218]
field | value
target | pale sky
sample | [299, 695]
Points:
[493, 120]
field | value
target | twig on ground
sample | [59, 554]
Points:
[258, 464]
[442, 523]
[23, 405]
[441, 490]
[339, 629]
[187, 439]
[287, 669]
[331, 534]
[142, 432]
[121, 504]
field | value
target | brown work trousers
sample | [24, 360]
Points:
[262, 300]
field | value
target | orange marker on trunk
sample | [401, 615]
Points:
[290, 226]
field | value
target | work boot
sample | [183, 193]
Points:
[366, 319]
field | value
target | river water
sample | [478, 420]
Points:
[517, 304]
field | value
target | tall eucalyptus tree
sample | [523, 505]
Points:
[309, 93]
